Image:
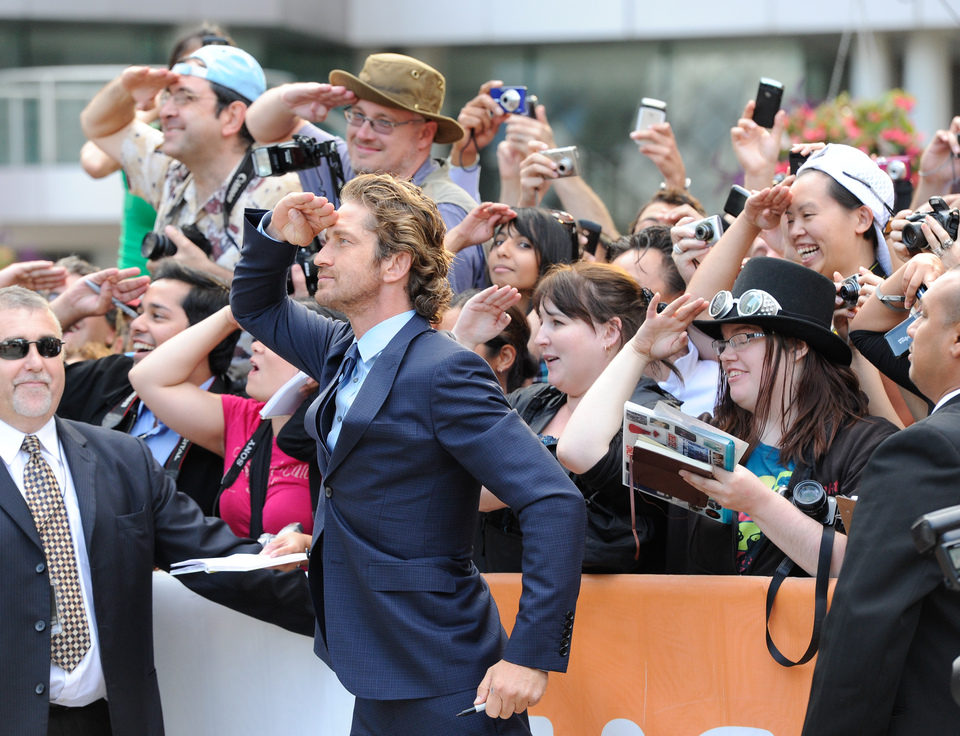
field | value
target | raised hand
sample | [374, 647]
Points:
[659, 145]
[765, 208]
[484, 315]
[482, 117]
[313, 101]
[144, 83]
[36, 275]
[757, 148]
[299, 217]
[536, 173]
[478, 226]
[664, 334]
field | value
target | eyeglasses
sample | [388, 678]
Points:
[18, 347]
[751, 303]
[181, 98]
[737, 342]
[379, 125]
[873, 191]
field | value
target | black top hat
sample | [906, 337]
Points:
[806, 302]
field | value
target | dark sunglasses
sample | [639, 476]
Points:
[18, 347]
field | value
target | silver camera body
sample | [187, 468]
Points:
[709, 229]
[567, 160]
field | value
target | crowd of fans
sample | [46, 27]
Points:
[570, 330]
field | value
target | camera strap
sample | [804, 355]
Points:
[259, 474]
[242, 176]
[820, 599]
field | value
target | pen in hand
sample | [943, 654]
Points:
[127, 310]
[473, 709]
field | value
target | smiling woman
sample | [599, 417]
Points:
[587, 311]
[785, 387]
[841, 203]
[526, 247]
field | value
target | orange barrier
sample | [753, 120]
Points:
[677, 655]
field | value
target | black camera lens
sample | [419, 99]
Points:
[849, 291]
[704, 231]
[155, 246]
[810, 498]
[912, 237]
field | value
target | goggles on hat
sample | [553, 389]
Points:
[18, 347]
[751, 303]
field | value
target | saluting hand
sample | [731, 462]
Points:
[299, 217]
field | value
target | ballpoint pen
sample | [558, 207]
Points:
[127, 310]
[473, 709]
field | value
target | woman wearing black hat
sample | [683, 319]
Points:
[785, 387]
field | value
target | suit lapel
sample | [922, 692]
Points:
[376, 387]
[83, 467]
[14, 505]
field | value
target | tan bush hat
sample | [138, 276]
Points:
[401, 81]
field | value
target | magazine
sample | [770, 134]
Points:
[660, 441]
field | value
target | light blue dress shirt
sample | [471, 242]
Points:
[370, 346]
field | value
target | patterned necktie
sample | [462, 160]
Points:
[45, 500]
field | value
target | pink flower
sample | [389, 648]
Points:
[904, 102]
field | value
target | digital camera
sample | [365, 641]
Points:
[849, 291]
[300, 153]
[939, 531]
[949, 219]
[650, 113]
[810, 497]
[567, 160]
[155, 246]
[708, 229]
[511, 99]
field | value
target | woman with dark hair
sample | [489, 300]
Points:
[263, 490]
[588, 311]
[786, 388]
[526, 242]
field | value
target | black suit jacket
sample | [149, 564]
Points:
[133, 519]
[893, 629]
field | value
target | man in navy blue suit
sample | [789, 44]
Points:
[409, 426]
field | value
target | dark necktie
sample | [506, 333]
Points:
[43, 496]
[329, 408]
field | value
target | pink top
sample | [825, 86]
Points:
[288, 489]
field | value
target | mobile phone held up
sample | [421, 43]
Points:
[651, 111]
[769, 95]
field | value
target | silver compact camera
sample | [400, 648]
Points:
[709, 229]
[567, 160]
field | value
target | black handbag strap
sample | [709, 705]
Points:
[820, 599]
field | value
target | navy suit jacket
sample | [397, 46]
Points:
[402, 611]
[893, 629]
[133, 519]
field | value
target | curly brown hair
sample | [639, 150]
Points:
[405, 220]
